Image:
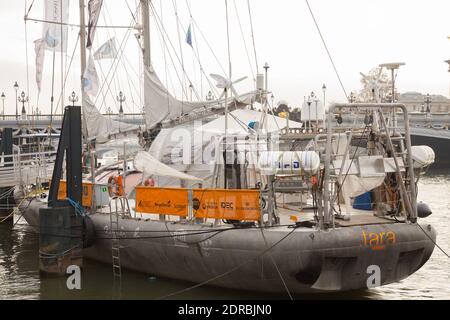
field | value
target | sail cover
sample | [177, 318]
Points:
[160, 105]
[163, 105]
[101, 127]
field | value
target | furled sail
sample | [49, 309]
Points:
[160, 105]
[163, 106]
[101, 127]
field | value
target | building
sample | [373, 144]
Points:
[416, 102]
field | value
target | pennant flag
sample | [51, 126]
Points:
[94, 7]
[107, 50]
[55, 34]
[189, 36]
[39, 49]
[90, 78]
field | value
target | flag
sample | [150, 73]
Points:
[107, 50]
[55, 34]
[94, 7]
[90, 78]
[189, 36]
[39, 49]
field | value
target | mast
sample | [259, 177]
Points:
[82, 47]
[84, 96]
[145, 11]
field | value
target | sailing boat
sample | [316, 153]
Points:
[270, 215]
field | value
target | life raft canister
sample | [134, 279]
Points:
[115, 186]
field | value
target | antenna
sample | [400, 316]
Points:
[393, 66]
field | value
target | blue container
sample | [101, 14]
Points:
[363, 201]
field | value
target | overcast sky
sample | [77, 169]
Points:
[359, 33]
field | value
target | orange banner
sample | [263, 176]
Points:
[229, 204]
[236, 204]
[86, 193]
[171, 201]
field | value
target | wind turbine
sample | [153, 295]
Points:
[226, 84]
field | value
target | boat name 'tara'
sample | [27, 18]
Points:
[378, 240]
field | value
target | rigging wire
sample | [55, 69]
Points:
[177, 21]
[68, 69]
[434, 242]
[115, 62]
[165, 57]
[26, 53]
[204, 39]
[173, 48]
[228, 40]
[328, 51]
[276, 267]
[243, 40]
[164, 36]
[253, 35]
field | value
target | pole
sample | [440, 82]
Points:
[266, 85]
[17, 100]
[84, 97]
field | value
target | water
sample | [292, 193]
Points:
[20, 279]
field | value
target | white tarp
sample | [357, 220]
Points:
[239, 120]
[102, 127]
[55, 34]
[150, 166]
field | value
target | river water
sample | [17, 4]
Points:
[20, 278]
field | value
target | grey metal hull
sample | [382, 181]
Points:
[308, 260]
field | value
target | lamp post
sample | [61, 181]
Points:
[3, 103]
[266, 89]
[352, 97]
[428, 109]
[73, 98]
[121, 98]
[16, 87]
[23, 98]
[324, 90]
[448, 62]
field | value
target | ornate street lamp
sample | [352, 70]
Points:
[73, 98]
[23, 99]
[121, 98]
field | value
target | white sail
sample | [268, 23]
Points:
[101, 127]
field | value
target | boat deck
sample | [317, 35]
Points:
[287, 214]
[357, 217]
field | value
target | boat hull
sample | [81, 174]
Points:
[305, 259]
